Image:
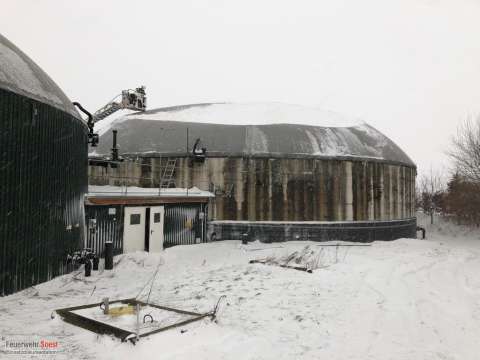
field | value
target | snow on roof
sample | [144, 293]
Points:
[122, 191]
[248, 114]
[164, 132]
[19, 74]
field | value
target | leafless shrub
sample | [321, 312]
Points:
[307, 259]
[316, 261]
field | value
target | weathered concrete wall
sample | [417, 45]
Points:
[275, 189]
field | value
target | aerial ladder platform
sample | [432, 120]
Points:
[132, 99]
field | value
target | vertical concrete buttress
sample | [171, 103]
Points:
[239, 188]
[399, 192]
[270, 191]
[251, 189]
[382, 194]
[371, 199]
[285, 191]
[391, 214]
[348, 191]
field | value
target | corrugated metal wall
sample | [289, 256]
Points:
[43, 178]
[108, 227]
[183, 224]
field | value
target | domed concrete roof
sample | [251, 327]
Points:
[279, 130]
[19, 74]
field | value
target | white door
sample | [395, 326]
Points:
[156, 229]
[134, 229]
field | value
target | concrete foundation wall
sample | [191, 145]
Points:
[279, 189]
[356, 231]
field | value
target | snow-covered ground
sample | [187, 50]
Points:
[406, 299]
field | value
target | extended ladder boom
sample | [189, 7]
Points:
[130, 99]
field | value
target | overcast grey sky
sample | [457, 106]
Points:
[410, 68]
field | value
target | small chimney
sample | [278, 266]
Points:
[114, 147]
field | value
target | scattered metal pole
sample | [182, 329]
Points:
[300, 268]
[105, 306]
[138, 321]
[337, 245]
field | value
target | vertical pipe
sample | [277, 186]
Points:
[108, 255]
[114, 147]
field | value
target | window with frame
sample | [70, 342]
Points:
[134, 219]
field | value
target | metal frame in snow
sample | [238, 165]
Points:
[99, 327]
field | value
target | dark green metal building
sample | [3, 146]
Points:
[43, 173]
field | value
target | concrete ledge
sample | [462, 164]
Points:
[272, 231]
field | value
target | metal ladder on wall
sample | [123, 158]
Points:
[167, 176]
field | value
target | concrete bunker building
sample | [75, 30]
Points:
[279, 180]
[43, 173]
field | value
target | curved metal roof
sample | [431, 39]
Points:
[149, 133]
[19, 74]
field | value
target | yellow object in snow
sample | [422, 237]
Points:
[122, 310]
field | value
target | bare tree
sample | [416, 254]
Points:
[430, 192]
[465, 150]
